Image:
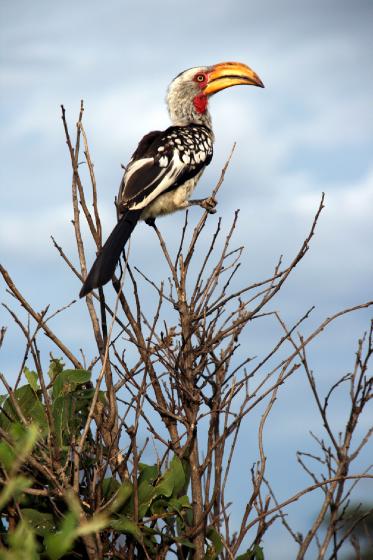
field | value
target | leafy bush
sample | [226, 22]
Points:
[47, 518]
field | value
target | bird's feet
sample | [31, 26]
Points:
[209, 204]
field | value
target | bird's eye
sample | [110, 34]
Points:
[200, 77]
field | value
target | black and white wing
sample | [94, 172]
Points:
[162, 162]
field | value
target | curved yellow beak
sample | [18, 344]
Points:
[228, 74]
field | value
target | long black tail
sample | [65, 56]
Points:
[104, 266]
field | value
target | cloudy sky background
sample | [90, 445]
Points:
[309, 131]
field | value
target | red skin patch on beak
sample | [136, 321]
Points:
[200, 103]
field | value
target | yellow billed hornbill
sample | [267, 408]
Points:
[167, 165]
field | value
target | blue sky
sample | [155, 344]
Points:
[309, 131]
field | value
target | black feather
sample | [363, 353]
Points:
[104, 266]
[146, 144]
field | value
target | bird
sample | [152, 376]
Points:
[167, 165]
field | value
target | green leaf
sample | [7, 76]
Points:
[30, 406]
[127, 526]
[56, 365]
[159, 506]
[62, 411]
[14, 487]
[109, 487]
[217, 545]
[70, 411]
[122, 492]
[169, 485]
[22, 544]
[42, 523]
[184, 542]
[18, 432]
[146, 494]
[23, 440]
[165, 486]
[148, 472]
[27, 437]
[173, 480]
[256, 553]
[68, 380]
[185, 517]
[32, 378]
[7, 456]
[178, 504]
[178, 476]
[125, 491]
[98, 522]
[60, 543]
[73, 502]
[145, 489]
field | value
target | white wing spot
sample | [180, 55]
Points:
[163, 162]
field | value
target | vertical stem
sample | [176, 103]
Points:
[197, 499]
[191, 399]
